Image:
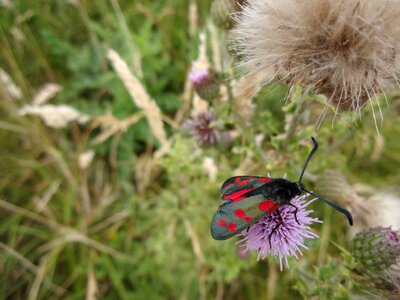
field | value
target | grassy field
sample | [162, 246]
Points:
[103, 195]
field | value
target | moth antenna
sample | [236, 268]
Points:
[314, 149]
[337, 207]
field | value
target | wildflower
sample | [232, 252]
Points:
[204, 83]
[376, 249]
[203, 128]
[343, 49]
[282, 238]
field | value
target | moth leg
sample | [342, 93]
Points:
[276, 227]
[295, 212]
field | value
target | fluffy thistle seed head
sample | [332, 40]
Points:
[346, 49]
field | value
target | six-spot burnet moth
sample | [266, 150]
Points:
[249, 198]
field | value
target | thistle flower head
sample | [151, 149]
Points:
[346, 49]
[203, 128]
[282, 238]
[204, 83]
[377, 248]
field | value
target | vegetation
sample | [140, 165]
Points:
[116, 202]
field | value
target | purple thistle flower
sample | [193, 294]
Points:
[202, 128]
[198, 77]
[288, 239]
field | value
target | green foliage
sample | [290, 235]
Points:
[134, 223]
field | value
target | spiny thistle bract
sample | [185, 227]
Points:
[346, 49]
[376, 249]
[204, 83]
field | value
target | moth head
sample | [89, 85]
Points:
[287, 190]
[298, 188]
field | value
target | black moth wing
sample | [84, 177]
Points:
[232, 218]
[237, 183]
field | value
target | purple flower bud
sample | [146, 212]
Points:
[204, 83]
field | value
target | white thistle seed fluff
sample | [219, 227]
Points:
[345, 49]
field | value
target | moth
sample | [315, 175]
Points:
[250, 198]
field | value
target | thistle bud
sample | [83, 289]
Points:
[221, 13]
[204, 83]
[376, 249]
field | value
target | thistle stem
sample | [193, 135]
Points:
[295, 121]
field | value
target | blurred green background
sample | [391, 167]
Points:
[133, 222]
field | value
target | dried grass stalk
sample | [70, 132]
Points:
[85, 159]
[139, 96]
[210, 168]
[48, 91]
[56, 116]
[9, 85]
[243, 91]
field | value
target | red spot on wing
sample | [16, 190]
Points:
[264, 179]
[244, 182]
[237, 196]
[232, 227]
[266, 205]
[221, 223]
[237, 179]
[273, 208]
[248, 219]
[228, 186]
[240, 213]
